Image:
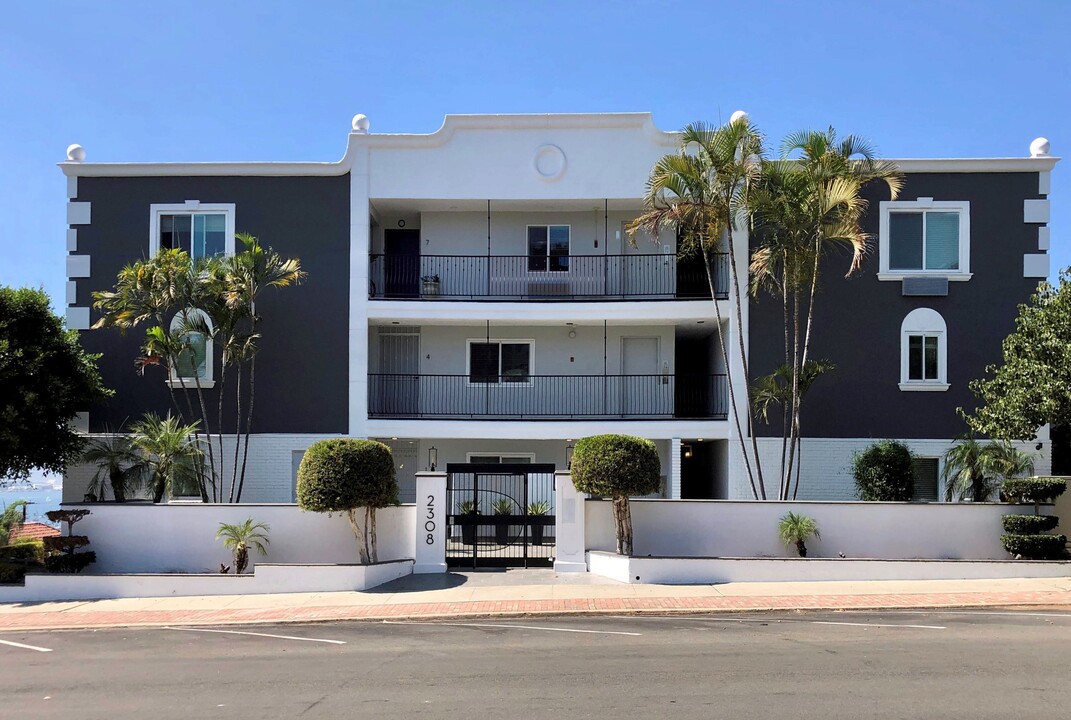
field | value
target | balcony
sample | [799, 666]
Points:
[547, 279]
[547, 397]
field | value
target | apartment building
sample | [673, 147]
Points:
[473, 297]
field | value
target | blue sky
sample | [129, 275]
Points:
[281, 80]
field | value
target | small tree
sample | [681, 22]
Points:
[794, 529]
[46, 378]
[617, 466]
[344, 475]
[885, 471]
[239, 537]
[1025, 534]
[62, 554]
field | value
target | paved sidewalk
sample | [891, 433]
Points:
[474, 595]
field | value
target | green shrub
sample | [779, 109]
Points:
[617, 466]
[794, 529]
[1033, 489]
[343, 475]
[502, 506]
[884, 472]
[1035, 547]
[1029, 524]
[12, 573]
[24, 551]
[539, 507]
[75, 563]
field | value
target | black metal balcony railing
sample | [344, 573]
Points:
[575, 277]
[562, 397]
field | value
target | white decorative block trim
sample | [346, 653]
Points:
[77, 318]
[924, 387]
[1043, 237]
[72, 292]
[1036, 265]
[78, 213]
[72, 187]
[1044, 182]
[78, 266]
[72, 240]
[1036, 211]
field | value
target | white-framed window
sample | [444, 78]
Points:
[548, 248]
[923, 351]
[495, 361]
[194, 363]
[924, 237]
[203, 230]
[483, 458]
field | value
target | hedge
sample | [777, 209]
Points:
[1033, 490]
[343, 474]
[885, 471]
[24, 551]
[615, 466]
[1029, 524]
[1035, 547]
[75, 563]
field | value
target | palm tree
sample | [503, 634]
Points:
[976, 469]
[802, 206]
[120, 466]
[248, 273]
[794, 529]
[12, 518]
[242, 536]
[174, 458]
[701, 192]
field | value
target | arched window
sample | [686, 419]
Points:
[194, 362]
[923, 351]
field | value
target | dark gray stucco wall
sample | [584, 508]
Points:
[858, 320]
[302, 369]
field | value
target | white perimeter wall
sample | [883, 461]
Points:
[718, 528]
[145, 538]
[827, 464]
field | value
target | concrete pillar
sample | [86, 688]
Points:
[673, 486]
[430, 549]
[570, 543]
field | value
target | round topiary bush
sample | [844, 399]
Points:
[1029, 524]
[1035, 547]
[1033, 489]
[885, 471]
[343, 475]
[617, 466]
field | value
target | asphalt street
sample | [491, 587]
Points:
[851, 665]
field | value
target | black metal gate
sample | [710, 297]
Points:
[499, 515]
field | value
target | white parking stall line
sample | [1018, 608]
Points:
[513, 627]
[878, 625]
[267, 635]
[25, 647]
[774, 621]
[1007, 613]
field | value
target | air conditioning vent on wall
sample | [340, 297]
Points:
[925, 286]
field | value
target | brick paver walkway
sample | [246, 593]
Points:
[80, 616]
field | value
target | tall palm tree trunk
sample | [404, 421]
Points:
[248, 425]
[806, 345]
[237, 433]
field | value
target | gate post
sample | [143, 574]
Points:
[430, 549]
[570, 552]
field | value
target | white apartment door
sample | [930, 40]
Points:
[399, 368]
[640, 376]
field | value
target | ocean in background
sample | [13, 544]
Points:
[42, 499]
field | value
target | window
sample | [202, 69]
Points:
[193, 365]
[202, 230]
[548, 248]
[514, 459]
[926, 479]
[923, 351]
[924, 237]
[500, 361]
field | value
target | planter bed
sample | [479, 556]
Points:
[712, 570]
[265, 578]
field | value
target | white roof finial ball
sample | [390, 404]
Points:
[76, 153]
[360, 123]
[1040, 147]
[738, 115]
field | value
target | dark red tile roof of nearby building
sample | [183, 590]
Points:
[32, 531]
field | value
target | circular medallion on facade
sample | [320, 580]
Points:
[549, 162]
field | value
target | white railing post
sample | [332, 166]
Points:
[570, 552]
[430, 550]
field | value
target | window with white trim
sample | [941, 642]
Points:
[923, 351]
[202, 230]
[924, 237]
[506, 459]
[548, 248]
[500, 361]
[193, 364]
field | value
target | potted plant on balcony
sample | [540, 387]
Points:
[468, 510]
[503, 508]
[537, 511]
[430, 285]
